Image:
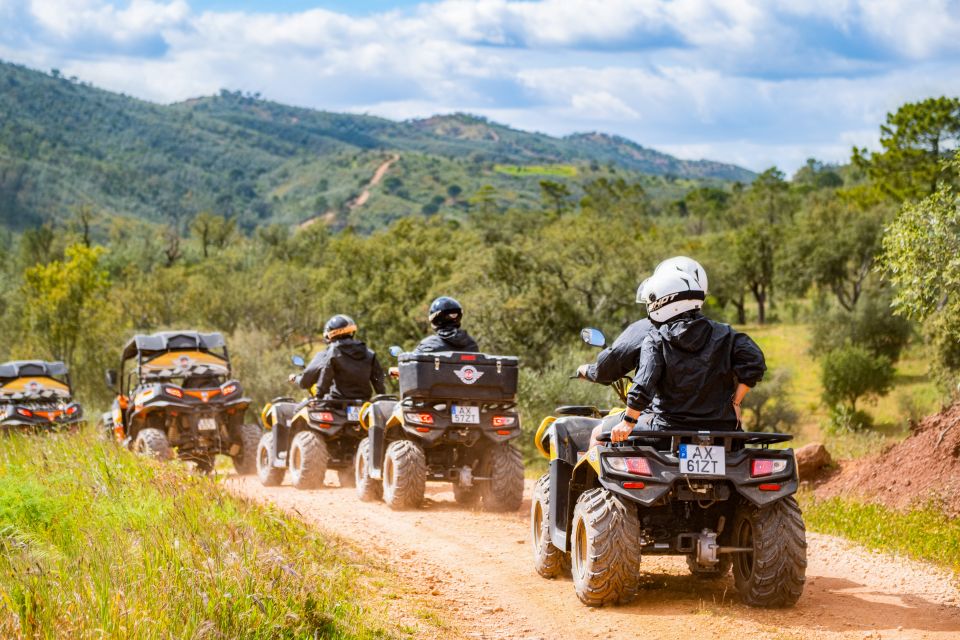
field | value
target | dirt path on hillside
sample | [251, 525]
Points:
[477, 568]
[360, 200]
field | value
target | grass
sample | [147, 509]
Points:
[561, 170]
[98, 543]
[923, 534]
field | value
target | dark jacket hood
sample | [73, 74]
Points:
[352, 348]
[455, 336]
[688, 334]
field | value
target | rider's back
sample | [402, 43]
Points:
[448, 339]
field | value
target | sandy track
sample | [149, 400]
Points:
[476, 568]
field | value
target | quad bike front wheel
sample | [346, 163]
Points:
[605, 561]
[245, 462]
[152, 443]
[270, 476]
[368, 489]
[503, 465]
[548, 560]
[774, 573]
[308, 460]
[404, 475]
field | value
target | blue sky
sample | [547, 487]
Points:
[756, 82]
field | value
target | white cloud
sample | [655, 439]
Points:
[751, 81]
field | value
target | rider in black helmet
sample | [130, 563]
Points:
[347, 369]
[445, 316]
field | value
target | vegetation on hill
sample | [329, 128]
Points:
[65, 145]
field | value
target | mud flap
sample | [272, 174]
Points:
[560, 475]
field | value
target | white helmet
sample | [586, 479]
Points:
[670, 294]
[685, 265]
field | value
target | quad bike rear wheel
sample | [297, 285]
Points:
[404, 475]
[308, 460]
[773, 575]
[719, 570]
[153, 443]
[503, 465]
[368, 489]
[270, 476]
[245, 462]
[606, 549]
[548, 560]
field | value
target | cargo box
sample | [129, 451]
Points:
[458, 376]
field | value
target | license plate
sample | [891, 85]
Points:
[353, 414]
[465, 415]
[704, 461]
[207, 424]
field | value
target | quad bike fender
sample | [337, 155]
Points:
[544, 439]
[567, 482]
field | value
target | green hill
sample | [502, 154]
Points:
[64, 144]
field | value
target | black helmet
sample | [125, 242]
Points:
[445, 312]
[339, 327]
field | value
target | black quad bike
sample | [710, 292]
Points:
[178, 396]
[721, 498]
[454, 421]
[307, 438]
[37, 396]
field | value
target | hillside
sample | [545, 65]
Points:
[64, 143]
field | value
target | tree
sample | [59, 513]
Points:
[703, 205]
[851, 372]
[916, 140]
[767, 407]
[817, 175]
[871, 325]
[556, 196]
[213, 230]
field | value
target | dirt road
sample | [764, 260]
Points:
[476, 566]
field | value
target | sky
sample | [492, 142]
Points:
[753, 82]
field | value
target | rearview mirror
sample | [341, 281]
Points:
[111, 378]
[297, 361]
[593, 337]
[395, 351]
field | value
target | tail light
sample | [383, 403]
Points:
[323, 416]
[71, 410]
[173, 391]
[503, 421]
[761, 467]
[633, 466]
[230, 388]
[26, 413]
[419, 418]
[468, 358]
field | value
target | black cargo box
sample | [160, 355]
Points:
[452, 375]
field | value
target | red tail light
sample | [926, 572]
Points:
[764, 467]
[633, 466]
[633, 485]
[769, 487]
[325, 416]
[468, 358]
[503, 432]
[173, 391]
[420, 418]
[230, 388]
[71, 411]
[423, 429]
[503, 421]
[26, 413]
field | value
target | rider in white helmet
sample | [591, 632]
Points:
[693, 372]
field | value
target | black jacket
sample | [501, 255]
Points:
[622, 357]
[346, 370]
[449, 339]
[689, 370]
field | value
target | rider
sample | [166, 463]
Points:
[693, 372]
[345, 370]
[620, 359]
[445, 316]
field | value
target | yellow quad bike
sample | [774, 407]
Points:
[37, 396]
[454, 421]
[307, 438]
[721, 498]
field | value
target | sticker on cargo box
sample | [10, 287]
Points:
[468, 374]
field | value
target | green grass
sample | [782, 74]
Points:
[562, 170]
[924, 534]
[97, 543]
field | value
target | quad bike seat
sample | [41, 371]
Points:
[585, 410]
[573, 436]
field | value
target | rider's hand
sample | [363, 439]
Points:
[738, 411]
[621, 432]
[292, 379]
[582, 370]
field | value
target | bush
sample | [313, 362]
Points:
[871, 325]
[767, 407]
[852, 372]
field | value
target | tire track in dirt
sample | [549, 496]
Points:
[476, 567]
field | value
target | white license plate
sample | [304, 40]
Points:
[207, 424]
[465, 415]
[353, 413]
[704, 461]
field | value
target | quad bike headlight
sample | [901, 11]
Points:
[764, 467]
[634, 466]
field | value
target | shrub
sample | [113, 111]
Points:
[871, 325]
[767, 407]
[853, 372]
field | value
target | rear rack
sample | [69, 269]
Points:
[704, 437]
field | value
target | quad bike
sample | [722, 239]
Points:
[37, 396]
[721, 498]
[178, 399]
[454, 421]
[308, 438]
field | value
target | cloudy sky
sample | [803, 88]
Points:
[756, 82]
